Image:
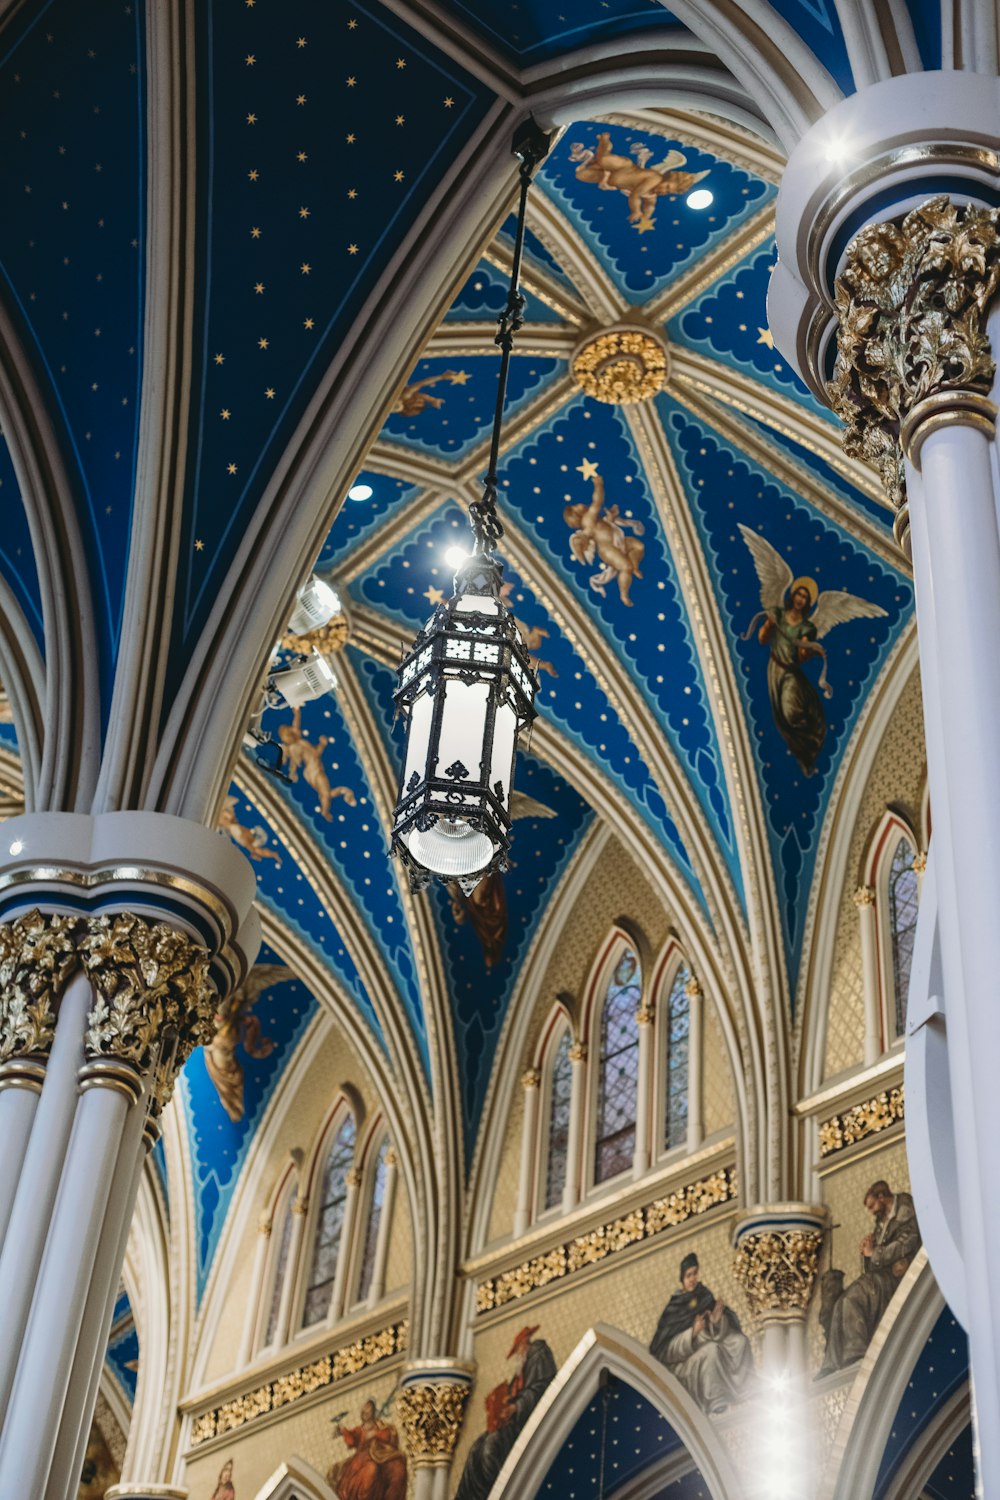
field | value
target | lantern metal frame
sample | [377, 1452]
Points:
[472, 643]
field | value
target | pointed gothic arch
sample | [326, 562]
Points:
[574, 1387]
[295, 1480]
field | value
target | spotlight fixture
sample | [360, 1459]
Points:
[466, 685]
[360, 492]
[455, 557]
[700, 198]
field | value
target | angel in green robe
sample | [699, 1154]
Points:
[795, 617]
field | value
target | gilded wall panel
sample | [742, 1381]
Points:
[897, 776]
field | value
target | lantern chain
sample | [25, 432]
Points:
[531, 145]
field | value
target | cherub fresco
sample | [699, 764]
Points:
[415, 398]
[302, 755]
[632, 175]
[252, 840]
[235, 1025]
[599, 531]
[796, 617]
[485, 908]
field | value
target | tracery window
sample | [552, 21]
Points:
[560, 1098]
[376, 1204]
[618, 1077]
[677, 1029]
[329, 1225]
[904, 898]
[280, 1270]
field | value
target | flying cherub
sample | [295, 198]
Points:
[796, 617]
[234, 1024]
[252, 840]
[301, 754]
[599, 531]
[415, 398]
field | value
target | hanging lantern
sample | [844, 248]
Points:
[466, 685]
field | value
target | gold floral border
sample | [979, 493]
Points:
[587, 1249]
[360, 1355]
[863, 1120]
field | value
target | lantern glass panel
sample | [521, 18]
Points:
[418, 738]
[463, 721]
[504, 742]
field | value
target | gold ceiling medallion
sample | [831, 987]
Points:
[621, 366]
[324, 640]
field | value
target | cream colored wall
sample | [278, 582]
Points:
[718, 1096]
[505, 1191]
[897, 776]
[306, 1108]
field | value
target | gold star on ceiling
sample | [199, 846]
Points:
[305, 268]
[351, 82]
[303, 213]
[352, 192]
[400, 62]
[587, 469]
[220, 359]
[434, 596]
[765, 336]
[400, 119]
[350, 139]
[230, 468]
[251, 119]
[308, 323]
[300, 98]
[352, 25]
[352, 249]
[199, 545]
[263, 344]
[269, 393]
[301, 156]
[459, 377]
[397, 176]
[225, 413]
[258, 287]
[253, 174]
[255, 233]
[250, 59]
[449, 102]
[645, 224]
[300, 41]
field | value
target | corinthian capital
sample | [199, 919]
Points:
[777, 1270]
[430, 1414]
[155, 1000]
[37, 956]
[912, 302]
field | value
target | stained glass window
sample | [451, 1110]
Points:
[375, 1203]
[559, 1105]
[903, 902]
[329, 1224]
[280, 1272]
[677, 1023]
[619, 1070]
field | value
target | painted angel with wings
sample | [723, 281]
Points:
[236, 1024]
[795, 617]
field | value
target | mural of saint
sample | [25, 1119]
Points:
[235, 1024]
[796, 617]
[376, 1467]
[224, 1489]
[508, 1407]
[886, 1252]
[700, 1341]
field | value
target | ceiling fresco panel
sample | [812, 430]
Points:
[484, 294]
[17, 555]
[447, 405]
[530, 31]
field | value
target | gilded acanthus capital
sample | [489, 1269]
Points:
[531, 1078]
[864, 896]
[154, 1000]
[37, 957]
[912, 303]
[777, 1267]
[578, 1052]
[430, 1414]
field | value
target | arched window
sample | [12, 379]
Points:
[904, 898]
[329, 1225]
[560, 1094]
[376, 1205]
[677, 1033]
[617, 1089]
[280, 1269]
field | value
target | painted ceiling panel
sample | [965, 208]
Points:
[826, 473]
[72, 122]
[17, 555]
[226, 1087]
[725, 491]
[359, 517]
[955, 1476]
[339, 810]
[313, 175]
[485, 293]
[729, 322]
[645, 242]
[620, 1432]
[941, 1369]
[529, 31]
[447, 405]
[818, 24]
[122, 1357]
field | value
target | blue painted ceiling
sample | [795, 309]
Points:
[617, 1437]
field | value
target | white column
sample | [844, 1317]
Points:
[864, 900]
[696, 1065]
[376, 1291]
[293, 1267]
[345, 1254]
[43, 1164]
[956, 552]
[20, 1089]
[57, 1309]
[577, 1109]
[531, 1084]
[255, 1311]
[644, 1091]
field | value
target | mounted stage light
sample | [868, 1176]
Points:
[315, 606]
[466, 684]
[305, 680]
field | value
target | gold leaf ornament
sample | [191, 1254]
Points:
[621, 367]
[37, 957]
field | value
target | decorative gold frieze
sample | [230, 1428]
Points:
[430, 1414]
[155, 1001]
[607, 1239]
[37, 956]
[863, 1120]
[621, 366]
[328, 1369]
[777, 1270]
[912, 302]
